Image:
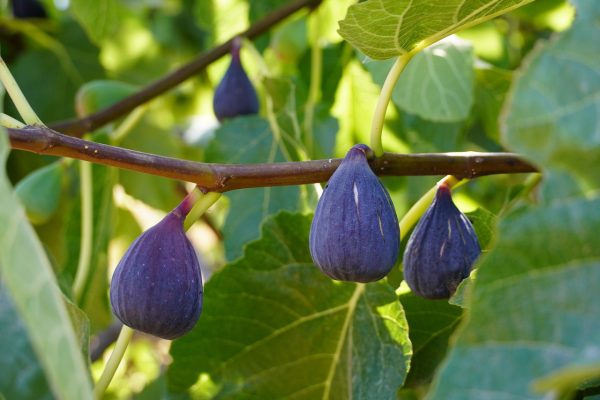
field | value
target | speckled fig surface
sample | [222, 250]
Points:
[441, 250]
[235, 95]
[354, 234]
[157, 285]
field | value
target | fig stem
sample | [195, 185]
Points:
[113, 361]
[202, 203]
[383, 101]
[9, 122]
[416, 211]
[87, 223]
[17, 96]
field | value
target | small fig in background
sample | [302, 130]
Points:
[235, 94]
[354, 234]
[157, 285]
[441, 250]
[24, 9]
[39, 192]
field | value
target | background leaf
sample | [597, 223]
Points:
[99, 18]
[249, 140]
[386, 28]
[560, 125]
[533, 306]
[349, 340]
[437, 84]
[28, 276]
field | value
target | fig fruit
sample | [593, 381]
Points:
[235, 94]
[354, 234]
[441, 250]
[157, 285]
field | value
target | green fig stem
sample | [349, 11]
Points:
[9, 122]
[87, 223]
[17, 96]
[417, 210]
[113, 362]
[383, 101]
[202, 202]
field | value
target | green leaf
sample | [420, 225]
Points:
[100, 18]
[533, 307]
[158, 192]
[94, 299]
[490, 93]
[49, 77]
[387, 28]
[22, 375]
[248, 208]
[553, 124]
[274, 326]
[39, 192]
[27, 274]
[437, 84]
[431, 323]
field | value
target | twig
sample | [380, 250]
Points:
[77, 127]
[225, 177]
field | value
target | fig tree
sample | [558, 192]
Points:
[157, 285]
[354, 234]
[441, 250]
[235, 94]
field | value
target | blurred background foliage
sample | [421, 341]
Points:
[135, 42]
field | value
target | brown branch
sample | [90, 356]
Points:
[225, 177]
[77, 127]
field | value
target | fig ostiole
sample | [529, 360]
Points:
[235, 94]
[441, 250]
[157, 286]
[354, 234]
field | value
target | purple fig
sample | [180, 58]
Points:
[441, 250]
[354, 234]
[235, 94]
[157, 285]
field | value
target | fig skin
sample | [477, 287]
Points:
[235, 94]
[157, 285]
[354, 234]
[441, 250]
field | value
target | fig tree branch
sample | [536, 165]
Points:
[225, 177]
[77, 127]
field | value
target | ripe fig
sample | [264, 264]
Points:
[157, 285]
[354, 234]
[441, 250]
[235, 94]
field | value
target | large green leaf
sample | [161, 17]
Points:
[556, 123]
[22, 376]
[534, 307]
[534, 315]
[437, 85]
[99, 18]
[274, 326]
[431, 324]
[28, 276]
[387, 28]
[249, 140]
